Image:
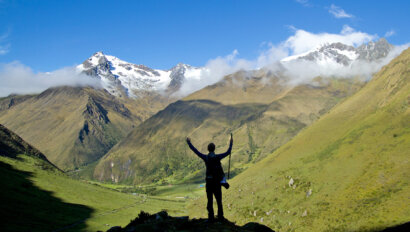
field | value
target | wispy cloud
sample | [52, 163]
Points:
[4, 47]
[390, 33]
[303, 2]
[338, 12]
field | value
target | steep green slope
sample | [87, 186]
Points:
[11, 145]
[156, 149]
[36, 196]
[349, 171]
[74, 126]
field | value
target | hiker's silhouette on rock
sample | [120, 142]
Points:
[215, 176]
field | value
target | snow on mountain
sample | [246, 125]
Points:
[122, 78]
[338, 54]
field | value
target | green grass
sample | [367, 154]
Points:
[43, 200]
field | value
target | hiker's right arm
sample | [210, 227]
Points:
[223, 155]
[202, 156]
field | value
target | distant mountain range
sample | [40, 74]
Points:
[121, 78]
[342, 54]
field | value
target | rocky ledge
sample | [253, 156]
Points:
[163, 222]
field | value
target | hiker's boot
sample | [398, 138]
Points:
[211, 219]
[221, 218]
[225, 185]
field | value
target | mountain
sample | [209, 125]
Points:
[121, 78]
[345, 55]
[348, 171]
[260, 109]
[74, 126]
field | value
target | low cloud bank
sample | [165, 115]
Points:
[297, 71]
[16, 78]
[304, 71]
[214, 71]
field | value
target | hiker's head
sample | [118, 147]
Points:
[211, 147]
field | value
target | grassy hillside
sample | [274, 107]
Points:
[74, 126]
[156, 149]
[350, 170]
[36, 196]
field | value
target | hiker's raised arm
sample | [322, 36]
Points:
[223, 155]
[188, 140]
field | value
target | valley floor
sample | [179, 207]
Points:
[51, 201]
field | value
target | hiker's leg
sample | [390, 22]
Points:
[218, 197]
[209, 195]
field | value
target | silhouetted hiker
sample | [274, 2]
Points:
[214, 176]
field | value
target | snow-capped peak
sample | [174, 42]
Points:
[120, 77]
[342, 54]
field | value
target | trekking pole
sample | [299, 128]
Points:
[229, 165]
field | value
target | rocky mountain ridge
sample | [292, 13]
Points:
[342, 54]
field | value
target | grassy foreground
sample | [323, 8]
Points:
[36, 199]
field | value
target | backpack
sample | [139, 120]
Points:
[214, 168]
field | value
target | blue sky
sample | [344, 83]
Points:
[49, 35]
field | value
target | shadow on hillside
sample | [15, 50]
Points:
[397, 228]
[25, 207]
[163, 222]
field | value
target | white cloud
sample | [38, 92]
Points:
[303, 41]
[390, 33]
[339, 12]
[16, 78]
[271, 54]
[214, 70]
